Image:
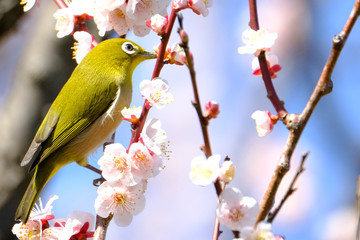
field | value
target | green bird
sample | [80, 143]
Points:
[84, 114]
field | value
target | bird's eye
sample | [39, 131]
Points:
[129, 48]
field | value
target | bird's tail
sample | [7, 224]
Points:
[37, 183]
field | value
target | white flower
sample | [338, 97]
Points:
[65, 22]
[75, 226]
[236, 211]
[28, 4]
[154, 137]
[179, 4]
[39, 216]
[122, 201]
[227, 171]
[85, 42]
[262, 231]
[155, 92]
[115, 164]
[132, 114]
[31, 230]
[256, 41]
[200, 6]
[264, 124]
[205, 171]
[122, 16]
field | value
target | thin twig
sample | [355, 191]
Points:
[271, 93]
[290, 190]
[323, 87]
[203, 122]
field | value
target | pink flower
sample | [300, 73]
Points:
[158, 24]
[132, 114]
[272, 62]
[236, 211]
[38, 221]
[74, 227]
[264, 122]
[212, 109]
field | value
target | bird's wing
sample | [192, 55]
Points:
[58, 129]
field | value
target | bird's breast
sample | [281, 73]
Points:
[95, 135]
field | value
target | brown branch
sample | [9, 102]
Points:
[102, 225]
[137, 128]
[202, 119]
[297, 123]
[271, 92]
[290, 190]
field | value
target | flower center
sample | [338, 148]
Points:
[120, 163]
[236, 214]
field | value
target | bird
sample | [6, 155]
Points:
[85, 113]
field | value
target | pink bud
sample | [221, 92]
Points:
[157, 23]
[212, 109]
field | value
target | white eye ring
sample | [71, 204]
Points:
[129, 48]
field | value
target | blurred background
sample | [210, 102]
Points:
[34, 64]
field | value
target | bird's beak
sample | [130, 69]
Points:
[149, 55]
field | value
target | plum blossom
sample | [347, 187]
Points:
[205, 171]
[143, 164]
[256, 41]
[174, 54]
[227, 172]
[28, 4]
[272, 62]
[264, 122]
[155, 92]
[154, 137]
[131, 114]
[37, 222]
[64, 22]
[236, 211]
[115, 164]
[158, 23]
[74, 227]
[122, 201]
[212, 109]
[198, 6]
[263, 231]
[85, 42]
[122, 16]
[67, 17]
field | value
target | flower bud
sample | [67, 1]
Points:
[212, 109]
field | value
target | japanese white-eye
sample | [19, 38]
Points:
[83, 115]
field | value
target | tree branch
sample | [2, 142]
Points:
[290, 190]
[296, 124]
